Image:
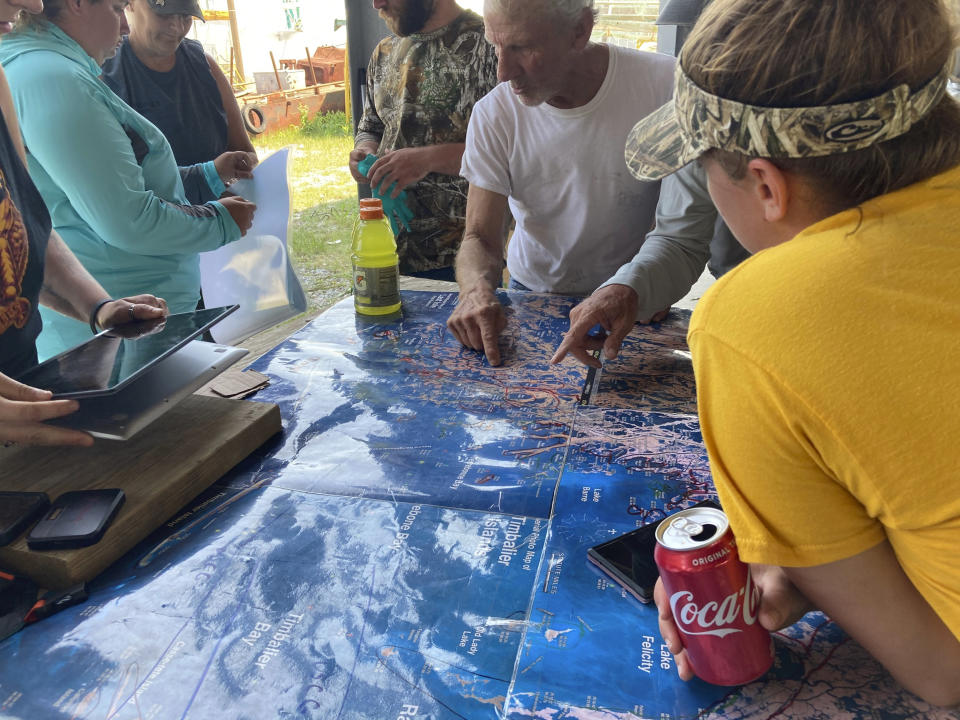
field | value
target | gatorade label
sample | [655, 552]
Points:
[376, 287]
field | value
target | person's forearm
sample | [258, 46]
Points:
[242, 143]
[675, 252]
[477, 266]
[446, 158]
[196, 186]
[367, 142]
[870, 596]
[67, 286]
[237, 137]
[662, 272]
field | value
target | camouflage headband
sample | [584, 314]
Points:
[696, 121]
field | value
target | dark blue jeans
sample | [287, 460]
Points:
[446, 273]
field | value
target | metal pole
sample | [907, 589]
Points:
[313, 73]
[347, 100]
[276, 74]
[235, 39]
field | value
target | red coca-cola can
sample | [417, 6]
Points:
[714, 601]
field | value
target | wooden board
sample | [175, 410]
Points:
[160, 469]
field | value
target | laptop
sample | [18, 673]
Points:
[125, 378]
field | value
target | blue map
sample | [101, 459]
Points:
[414, 546]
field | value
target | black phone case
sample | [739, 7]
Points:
[18, 510]
[76, 519]
[643, 593]
[595, 554]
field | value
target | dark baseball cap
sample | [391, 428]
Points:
[176, 7]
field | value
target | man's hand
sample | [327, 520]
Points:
[478, 320]
[356, 156]
[781, 604]
[235, 165]
[399, 169]
[614, 308]
[242, 211]
[22, 408]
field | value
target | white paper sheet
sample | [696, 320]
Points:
[255, 271]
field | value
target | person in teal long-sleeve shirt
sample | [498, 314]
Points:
[106, 174]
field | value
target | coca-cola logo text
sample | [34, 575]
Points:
[713, 618]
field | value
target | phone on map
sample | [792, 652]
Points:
[76, 519]
[18, 510]
[628, 559]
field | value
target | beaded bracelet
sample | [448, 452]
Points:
[93, 314]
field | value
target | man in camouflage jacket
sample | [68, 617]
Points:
[422, 83]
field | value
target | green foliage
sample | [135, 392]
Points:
[331, 124]
[323, 199]
[304, 113]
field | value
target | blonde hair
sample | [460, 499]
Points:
[801, 53]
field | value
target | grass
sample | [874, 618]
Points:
[324, 204]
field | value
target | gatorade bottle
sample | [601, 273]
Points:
[364, 202]
[376, 275]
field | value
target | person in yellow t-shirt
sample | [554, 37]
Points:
[826, 364]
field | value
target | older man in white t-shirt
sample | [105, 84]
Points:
[548, 143]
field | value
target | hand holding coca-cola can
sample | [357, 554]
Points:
[711, 594]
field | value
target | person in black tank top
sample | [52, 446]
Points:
[172, 82]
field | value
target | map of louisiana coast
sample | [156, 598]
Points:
[414, 546]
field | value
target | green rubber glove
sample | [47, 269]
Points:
[395, 209]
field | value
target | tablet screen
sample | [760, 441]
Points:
[110, 360]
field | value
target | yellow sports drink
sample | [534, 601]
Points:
[376, 273]
[364, 202]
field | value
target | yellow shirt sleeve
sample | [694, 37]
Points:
[767, 455]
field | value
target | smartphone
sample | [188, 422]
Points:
[18, 510]
[76, 519]
[628, 559]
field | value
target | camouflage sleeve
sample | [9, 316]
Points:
[484, 66]
[370, 127]
[488, 70]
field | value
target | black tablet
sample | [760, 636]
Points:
[110, 360]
